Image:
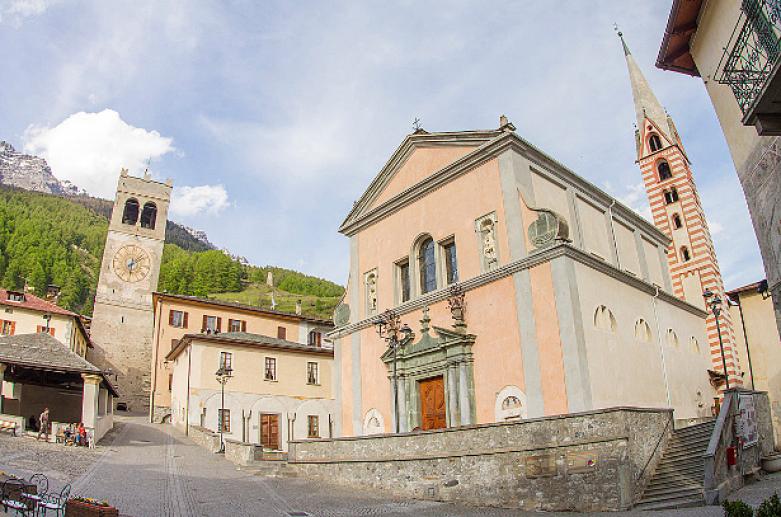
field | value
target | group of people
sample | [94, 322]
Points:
[72, 434]
[75, 435]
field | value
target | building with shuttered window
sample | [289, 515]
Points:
[278, 390]
[179, 315]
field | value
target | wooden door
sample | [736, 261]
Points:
[269, 431]
[432, 403]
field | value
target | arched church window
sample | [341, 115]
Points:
[694, 344]
[664, 171]
[671, 195]
[655, 143]
[130, 213]
[672, 338]
[642, 331]
[427, 266]
[604, 319]
[677, 221]
[685, 255]
[149, 216]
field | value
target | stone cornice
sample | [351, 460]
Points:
[535, 259]
[357, 220]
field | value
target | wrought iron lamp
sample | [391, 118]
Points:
[389, 328]
[222, 375]
[713, 302]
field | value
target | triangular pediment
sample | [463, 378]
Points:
[665, 135]
[419, 156]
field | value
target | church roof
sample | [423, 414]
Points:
[646, 103]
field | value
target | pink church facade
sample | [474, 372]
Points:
[569, 303]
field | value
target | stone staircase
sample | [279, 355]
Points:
[271, 469]
[678, 479]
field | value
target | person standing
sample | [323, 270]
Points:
[43, 422]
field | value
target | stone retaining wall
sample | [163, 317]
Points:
[594, 461]
[205, 438]
[240, 453]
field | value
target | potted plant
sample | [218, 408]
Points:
[89, 507]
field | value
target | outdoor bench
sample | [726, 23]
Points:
[8, 425]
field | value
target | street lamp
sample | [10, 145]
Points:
[223, 375]
[389, 328]
[713, 301]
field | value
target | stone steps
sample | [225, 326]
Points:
[677, 480]
[271, 469]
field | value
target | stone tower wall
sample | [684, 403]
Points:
[123, 319]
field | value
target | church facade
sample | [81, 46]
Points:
[123, 317]
[516, 289]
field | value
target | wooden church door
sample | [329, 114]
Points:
[432, 404]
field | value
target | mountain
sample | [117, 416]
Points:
[30, 173]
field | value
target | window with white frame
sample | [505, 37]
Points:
[270, 369]
[312, 373]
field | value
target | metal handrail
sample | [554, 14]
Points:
[656, 447]
[722, 424]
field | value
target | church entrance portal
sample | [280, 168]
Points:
[432, 403]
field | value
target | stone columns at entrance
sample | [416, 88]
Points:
[2, 376]
[89, 401]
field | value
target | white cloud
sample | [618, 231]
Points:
[634, 197]
[90, 149]
[190, 201]
[17, 10]
[715, 227]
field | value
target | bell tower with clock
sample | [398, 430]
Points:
[123, 318]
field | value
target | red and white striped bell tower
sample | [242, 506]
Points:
[677, 211]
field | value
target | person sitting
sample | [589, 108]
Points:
[68, 432]
[81, 435]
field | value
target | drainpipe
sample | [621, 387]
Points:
[745, 336]
[613, 233]
[187, 399]
[154, 363]
[661, 349]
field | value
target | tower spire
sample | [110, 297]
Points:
[646, 104]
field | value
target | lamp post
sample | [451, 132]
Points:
[713, 301]
[223, 375]
[389, 328]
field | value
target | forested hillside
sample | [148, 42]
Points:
[47, 239]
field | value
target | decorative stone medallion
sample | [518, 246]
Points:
[342, 315]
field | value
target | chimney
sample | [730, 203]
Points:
[298, 307]
[52, 293]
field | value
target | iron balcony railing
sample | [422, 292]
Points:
[752, 51]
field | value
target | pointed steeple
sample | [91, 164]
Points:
[646, 104]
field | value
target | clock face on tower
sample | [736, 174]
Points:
[132, 263]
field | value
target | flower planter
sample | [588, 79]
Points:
[771, 463]
[75, 508]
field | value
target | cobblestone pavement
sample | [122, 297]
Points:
[152, 470]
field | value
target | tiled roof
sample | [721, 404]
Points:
[236, 305]
[33, 303]
[247, 339]
[42, 351]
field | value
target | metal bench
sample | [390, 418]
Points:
[8, 425]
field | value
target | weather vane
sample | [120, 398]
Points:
[615, 27]
[416, 124]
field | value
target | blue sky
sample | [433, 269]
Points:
[272, 117]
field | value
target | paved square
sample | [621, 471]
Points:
[152, 470]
